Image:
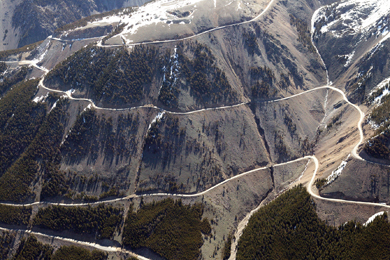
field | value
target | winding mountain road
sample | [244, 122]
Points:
[94, 245]
[311, 158]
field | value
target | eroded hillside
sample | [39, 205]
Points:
[125, 109]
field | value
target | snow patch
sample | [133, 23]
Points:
[373, 125]
[380, 85]
[336, 173]
[384, 87]
[158, 117]
[87, 108]
[173, 71]
[371, 219]
[349, 58]
[42, 53]
[63, 141]
[4, 73]
[54, 106]
[378, 99]
[39, 99]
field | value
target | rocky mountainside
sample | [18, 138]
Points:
[152, 149]
[221, 105]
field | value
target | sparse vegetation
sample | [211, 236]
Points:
[273, 47]
[284, 82]
[280, 147]
[262, 90]
[304, 35]
[208, 82]
[380, 114]
[6, 242]
[250, 42]
[291, 126]
[320, 183]
[42, 17]
[377, 93]
[81, 141]
[336, 120]
[179, 226]
[30, 47]
[377, 147]
[263, 73]
[117, 30]
[289, 228]
[164, 142]
[307, 146]
[101, 219]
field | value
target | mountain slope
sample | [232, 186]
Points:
[41, 18]
[215, 102]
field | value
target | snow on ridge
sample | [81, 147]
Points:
[384, 86]
[151, 13]
[384, 83]
[378, 99]
[355, 16]
[336, 173]
[372, 218]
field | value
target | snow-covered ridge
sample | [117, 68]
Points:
[165, 19]
[355, 16]
[383, 89]
[153, 13]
